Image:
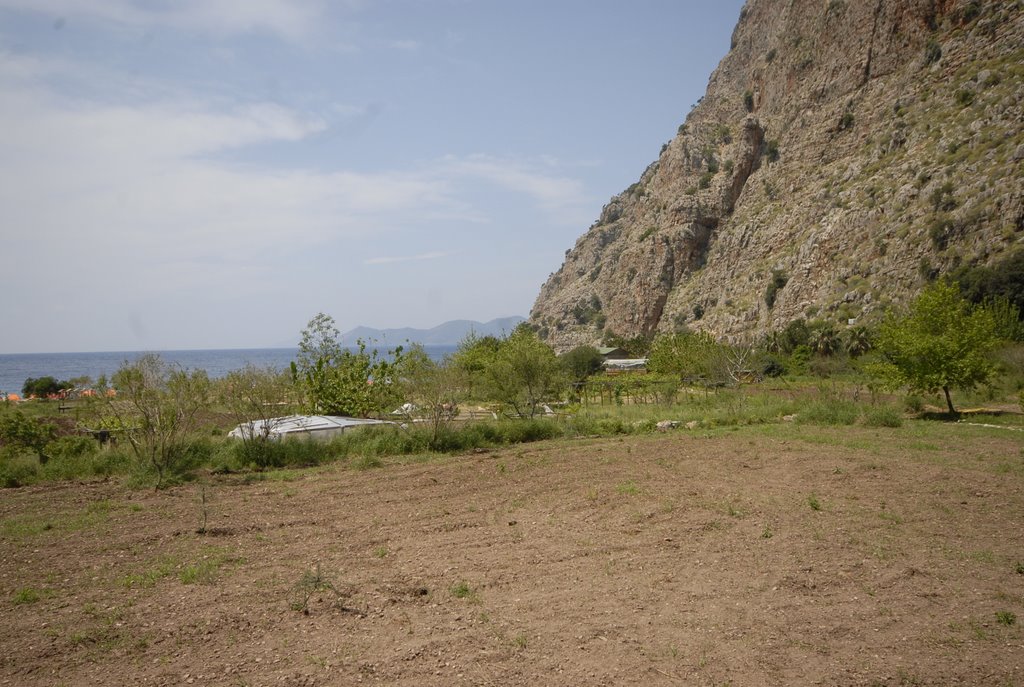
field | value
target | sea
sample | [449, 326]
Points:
[15, 368]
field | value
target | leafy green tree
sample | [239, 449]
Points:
[699, 357]
[21, 432]
[1006, 314]
[339, 381]
[524, 373]
[581, 362]
[691, 355]
[474, 356]
[795, 335]
[43, 386]
[1003, 278]
[157, 408]
[942, 342]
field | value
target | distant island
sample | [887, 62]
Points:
[447, 334]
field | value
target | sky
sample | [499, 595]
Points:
[187, 174]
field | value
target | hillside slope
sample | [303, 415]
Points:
[850, 149]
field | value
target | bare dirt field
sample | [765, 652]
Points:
[760, 556]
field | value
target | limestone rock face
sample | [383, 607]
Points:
[855, 148]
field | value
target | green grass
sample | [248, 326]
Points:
[26, 595]
[629, 488]
[165, 567]
[817, 406]
[95, 514]
[462, 590]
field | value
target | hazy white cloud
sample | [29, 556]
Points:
[140, 196]
[148, 190]
[406, 45]
[563, 198]
[291, 19]
[433, 255]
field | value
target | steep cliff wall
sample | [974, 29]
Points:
[851, 149]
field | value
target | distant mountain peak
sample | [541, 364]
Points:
[446, 334]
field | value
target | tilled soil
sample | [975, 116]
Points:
[763, 556]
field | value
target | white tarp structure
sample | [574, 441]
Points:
[309, 426]
[626, 364]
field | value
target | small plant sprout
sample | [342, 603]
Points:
[813, 502]
[1006, 617]
[462, 590]
[311, 582]
[204, 510]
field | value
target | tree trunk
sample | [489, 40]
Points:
[949, 401]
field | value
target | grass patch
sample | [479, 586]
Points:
[461, 590]
[26, 595]
[629, 488]
[204, 570]
[148, 578]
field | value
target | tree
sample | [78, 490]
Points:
[824, 340]
[581, 362]
[42, 387]
[698, 356]
[473, 357]
[795, 335]
[259, 396]
[942, 342]
[858, 341]
[434, 389]
[687, 354]
[20, 431]
[157, 408]
[524, 373]
[340, 381]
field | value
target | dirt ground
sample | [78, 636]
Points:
[760, 556]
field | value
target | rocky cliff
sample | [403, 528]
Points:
[845, 152]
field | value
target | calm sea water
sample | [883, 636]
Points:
[16, 368]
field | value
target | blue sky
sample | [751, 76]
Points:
[212, 173]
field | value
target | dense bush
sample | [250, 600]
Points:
[1004, 278]
[19, 432]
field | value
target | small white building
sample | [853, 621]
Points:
[320, 427]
